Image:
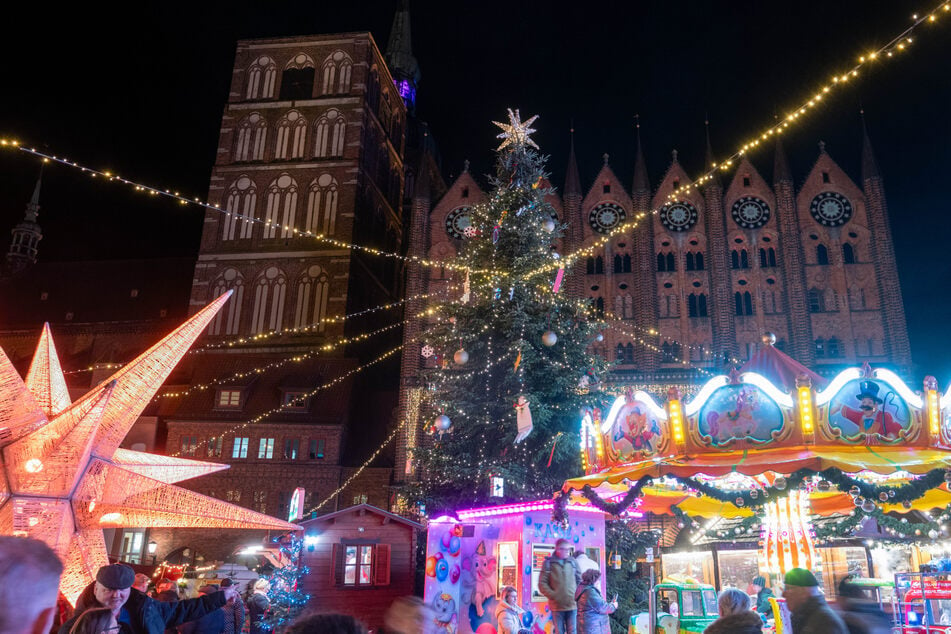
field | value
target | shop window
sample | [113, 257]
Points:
[837, 563]
[698, 565]
[508, 565]
[361, 565]
[737, 567]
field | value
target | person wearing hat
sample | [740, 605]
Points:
[137, 613]
[763, 595]
[869, 417]
[810, 612]
[234, 611]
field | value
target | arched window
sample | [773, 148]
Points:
[618, 264]
[291, 132]
[739, 259]
[661, 262]
[816, 300]
[702, 305]
[743, 303]
[688, 261]
[267, 312]
[599, 265]
[336, 74]
[697, 305]
[599, 306]
[297, 81]
[699, 262]
[618, 306]
[281, 206]
[848, 253]
[261, 76]
[694, 261]
[250, 137]
[767, 257]
[627, 263]
[228, 319]
[822, 254]
[589, 266]
[313, 289]
[322, 205]
[330, 132]
[628, 307]
[373, 89]
[242, 197]
[691, 305]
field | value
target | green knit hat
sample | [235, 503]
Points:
[800, 577]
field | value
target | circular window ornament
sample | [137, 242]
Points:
[750, 212]
[457, 222]
[679, 216]
[831, 209]
[606, 217]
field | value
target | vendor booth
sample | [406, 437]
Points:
[472, 556]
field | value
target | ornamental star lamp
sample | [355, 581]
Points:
[64, 477]
[516, 133]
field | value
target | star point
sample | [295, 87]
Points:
[516, 133]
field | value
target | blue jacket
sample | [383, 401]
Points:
[148, 616]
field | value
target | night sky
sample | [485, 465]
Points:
[140, 91]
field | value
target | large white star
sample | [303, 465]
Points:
[516, 133]
[64, 477]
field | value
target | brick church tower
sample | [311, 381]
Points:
[311, 144]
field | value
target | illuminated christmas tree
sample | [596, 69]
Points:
[510, 359]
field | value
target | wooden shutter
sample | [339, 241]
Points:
[336, 564]
[381, 557]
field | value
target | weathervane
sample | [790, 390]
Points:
[516, 133]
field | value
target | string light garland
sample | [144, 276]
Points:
[267, 223]
[614, 325]
[616, 322]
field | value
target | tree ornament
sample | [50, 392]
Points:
[516, 133]
[947, 476]
[780, 483]
[461, 357]
[859, 501]
[427, 351]
[549, 338]
[933, 534]
[599, 337]
[754, 494]
[443, 422]
[470, 232]
[824, 485]
[548, 225]
[740, 502]
[883, 496]
[855, 491]
[523, 419]
[906, 504]
[918, 532]
[869, 506]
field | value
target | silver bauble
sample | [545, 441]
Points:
[548, 225]
[549, 338]
[461, 357]
[443, 423]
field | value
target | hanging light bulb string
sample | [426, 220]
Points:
[618, 324]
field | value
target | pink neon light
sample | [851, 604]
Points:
[523, 507]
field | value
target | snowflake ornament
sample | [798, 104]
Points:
[516, 133]
[427, 351]
[470, 232]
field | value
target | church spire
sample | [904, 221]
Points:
[869, 164]
[641, 182]
[572, 180]
[27, 234]
[399, 57]
[781, 171]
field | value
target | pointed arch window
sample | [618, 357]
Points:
[228, 319]
[250, 137]
[767, 257]
[242, 197]
[627, 263]
[281, 207]
[848, 253]
[329, 134]
[697, 305]
[267, 313]
[740, 259]
[322, 205]
[618, 263]
[816, 300]
[589, 266]
[599, 306]
[297, 81]
[291, 133]
[313, 290]
[743, 303]
[694, 261]
[628, 307]
[599, 265]
[822, 254]
[336, 70]
[261, 76]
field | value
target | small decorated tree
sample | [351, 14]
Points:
[287, 601]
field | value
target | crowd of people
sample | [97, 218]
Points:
[117, 603]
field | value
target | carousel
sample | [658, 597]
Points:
[774, 467]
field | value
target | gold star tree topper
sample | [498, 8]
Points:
[516, 133]
[63, 476]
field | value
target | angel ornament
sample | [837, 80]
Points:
[523, 417]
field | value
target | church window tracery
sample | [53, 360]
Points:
[297, 80]
[240, 208]
[261, 76]
[267, 313]
[250, 137]
[313, 289]
[322, 205]
[291, 133]
[281, 207]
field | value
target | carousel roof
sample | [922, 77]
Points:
[779, 368]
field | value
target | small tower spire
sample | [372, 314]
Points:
[399, 57]
[27, 234]
[869, 164]
[572, 180]
[781, 171]
[641, 181]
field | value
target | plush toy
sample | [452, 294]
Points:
[523, 417]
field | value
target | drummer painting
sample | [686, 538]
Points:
[868, 411]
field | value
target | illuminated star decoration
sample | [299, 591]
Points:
[63, 477]
[516, 133]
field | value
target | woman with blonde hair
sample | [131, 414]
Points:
[593, 610]
[736, 617]
[95, 621]
[508, 614]
[258, 606]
